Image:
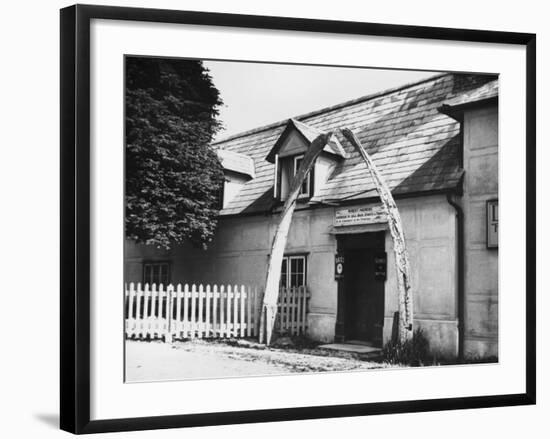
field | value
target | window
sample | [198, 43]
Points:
[156, 273]
[305, 189]
[293, 271]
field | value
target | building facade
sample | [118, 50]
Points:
[436, 143]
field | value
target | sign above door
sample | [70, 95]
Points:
[353, 216]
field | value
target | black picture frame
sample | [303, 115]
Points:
[75, 217]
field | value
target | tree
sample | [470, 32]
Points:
[173, 177]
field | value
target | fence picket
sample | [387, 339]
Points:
[154, 319]
[215, 298]
[295, 311]
[193, 323]
[229, 328]
[289, 311]
[288, 322]
[131, 319]
[304, 310]
[177, 326]
[185, 311]
[256, 312]
[222, 310]
[235, 311]
[299, 311]
[169, 333]
[200, 316]
[162, 306]
[293, 314]
[207, 324]
[241, 311]
[126, 300]
[146, 323]
[248, 312]
[281, 310]
[139, 321]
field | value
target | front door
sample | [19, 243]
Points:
[361, 294]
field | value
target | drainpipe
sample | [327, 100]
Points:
[460, 280]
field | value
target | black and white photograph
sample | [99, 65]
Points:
[275, 219]
[296, 219]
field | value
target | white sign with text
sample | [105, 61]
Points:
[359, 215]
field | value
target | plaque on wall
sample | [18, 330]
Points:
[492, 224]
[359, 215]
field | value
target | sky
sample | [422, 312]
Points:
[256, 94]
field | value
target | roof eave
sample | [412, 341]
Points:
[456, 189]
[457, 111]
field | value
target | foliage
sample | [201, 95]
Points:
[173, 177]
[414, 352]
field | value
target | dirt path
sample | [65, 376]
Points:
[157, 361]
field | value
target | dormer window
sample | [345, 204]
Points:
[238, 169]
[287, 155]
[305, 190]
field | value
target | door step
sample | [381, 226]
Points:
[361, 349]
[361, 343]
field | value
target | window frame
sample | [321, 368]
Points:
[153, 263]
[288, 275]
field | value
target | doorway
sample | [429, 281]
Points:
[360, 314]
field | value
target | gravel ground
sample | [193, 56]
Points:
[157, 361]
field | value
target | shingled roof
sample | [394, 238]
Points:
[414, 145]
[482, 94]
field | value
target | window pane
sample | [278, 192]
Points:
[162, 274]
[293, 265]
[300, 265]
[155, 274]
[284, 272]
[167, 274]
[304, 190]
[147, 274]
[297, 164]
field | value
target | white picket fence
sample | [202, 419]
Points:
[208, 311]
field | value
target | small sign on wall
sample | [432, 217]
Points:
[492, 224]
[380, 266]
[338, 266]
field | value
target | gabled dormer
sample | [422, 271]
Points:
[289, 150]
[238, 169]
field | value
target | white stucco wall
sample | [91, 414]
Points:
[481, 264]
[239, 254]
[430, 233]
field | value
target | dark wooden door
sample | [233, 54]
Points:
[364, 297]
